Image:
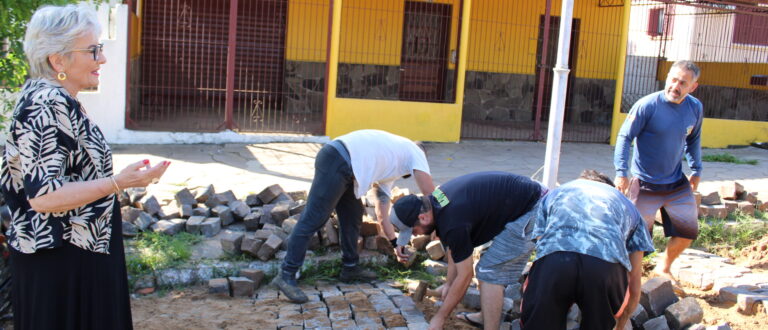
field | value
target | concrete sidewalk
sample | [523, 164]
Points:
[248, 168]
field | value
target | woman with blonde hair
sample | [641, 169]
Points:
[67, 260]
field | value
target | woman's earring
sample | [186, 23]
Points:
[61, 76]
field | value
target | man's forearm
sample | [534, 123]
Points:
[455, 293]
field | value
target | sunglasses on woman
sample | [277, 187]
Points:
[95, 50]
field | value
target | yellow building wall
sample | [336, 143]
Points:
[721, 133]
[371, 31]
[415, 120]
[723, 74]
[502, 38]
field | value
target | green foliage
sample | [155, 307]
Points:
[158, 251]
[395, 271]
[14, 16]
[722, 236]
[727, 158]
[322, 271]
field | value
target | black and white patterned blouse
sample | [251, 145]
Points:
[50, 142]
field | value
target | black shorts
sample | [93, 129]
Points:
[560, 279]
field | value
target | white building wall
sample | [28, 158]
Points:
[107, 106]
[695, 36]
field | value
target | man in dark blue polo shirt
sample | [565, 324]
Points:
[468, 212]
[664, 126]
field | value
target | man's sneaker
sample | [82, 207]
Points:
[356, 273]
[290, 290]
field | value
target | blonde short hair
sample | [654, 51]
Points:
[53, 30]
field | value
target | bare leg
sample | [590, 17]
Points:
[675, 246]
[492, 298]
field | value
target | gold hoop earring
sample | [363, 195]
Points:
[61, 76]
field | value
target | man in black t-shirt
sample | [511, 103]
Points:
[468, 212]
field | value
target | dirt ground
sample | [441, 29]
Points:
[193, 308]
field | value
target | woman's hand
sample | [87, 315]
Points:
[141, 174]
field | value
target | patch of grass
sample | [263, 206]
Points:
[321, 271]
[727, 158]
[395, 271]
[722, 236]
[155, 251]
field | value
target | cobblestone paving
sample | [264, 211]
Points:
[732, 283]
[342, 306]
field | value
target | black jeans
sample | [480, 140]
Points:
[332, 187]
[561, 279]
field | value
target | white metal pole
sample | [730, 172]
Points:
[559, 87]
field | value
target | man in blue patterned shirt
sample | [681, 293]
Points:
[588, 238]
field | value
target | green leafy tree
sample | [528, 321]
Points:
[14, 16]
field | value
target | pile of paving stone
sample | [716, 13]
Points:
[257, 225]
[729, 198]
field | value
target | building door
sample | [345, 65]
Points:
[424, 60]
[554, 32]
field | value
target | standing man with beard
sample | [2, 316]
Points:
[664, 126]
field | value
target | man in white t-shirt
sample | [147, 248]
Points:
[345, 169]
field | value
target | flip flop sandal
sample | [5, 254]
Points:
[464, 316]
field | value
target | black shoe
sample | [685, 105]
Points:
[290, 290]
[357, 273]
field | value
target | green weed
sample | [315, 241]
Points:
[395, 271]
[155, 251]
[722, 236]
[727, 158]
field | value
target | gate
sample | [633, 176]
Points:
[206, 66]
[426, 31]
[511, 56]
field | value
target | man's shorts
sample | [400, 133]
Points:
[503, 262]
[679, 214]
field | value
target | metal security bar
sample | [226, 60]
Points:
[209, 65]
[399, 50]
[511, 55]
[729, 42]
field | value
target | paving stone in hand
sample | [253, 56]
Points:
[435, 250]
